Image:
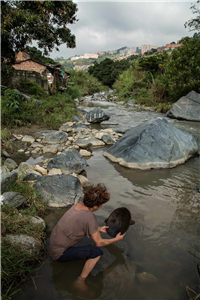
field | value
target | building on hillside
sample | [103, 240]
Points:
[146, 48]
[168, 47]
[44, 75]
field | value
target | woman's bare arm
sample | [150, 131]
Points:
[99, 242]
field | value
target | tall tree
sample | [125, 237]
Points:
[194, 24]
[39, 20]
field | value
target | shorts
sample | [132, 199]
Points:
[82, 252]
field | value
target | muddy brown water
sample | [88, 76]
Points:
[164, 241]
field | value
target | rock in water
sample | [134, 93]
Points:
[68, 162]
[152, 145]
[96, 115]
[59, 191]
[119, 221]
[186, 108]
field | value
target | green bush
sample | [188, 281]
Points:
[30, 87]
[52, 112]
[13, 100]
[86, 83]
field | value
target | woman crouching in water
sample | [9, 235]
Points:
[77, 222]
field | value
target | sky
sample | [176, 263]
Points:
[104, 26]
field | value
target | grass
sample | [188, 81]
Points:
[15, 265]
[5, 140]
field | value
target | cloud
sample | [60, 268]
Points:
[110, 25]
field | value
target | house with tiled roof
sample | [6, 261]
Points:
[44, 75]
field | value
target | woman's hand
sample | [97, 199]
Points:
[103, 229]
[119, 237]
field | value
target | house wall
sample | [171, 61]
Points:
[29, 65]
[30, 75]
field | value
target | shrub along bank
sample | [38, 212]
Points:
[18, 263]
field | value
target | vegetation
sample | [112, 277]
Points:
[18, 19]
[107, 71]
[85, 83]
[15, 265]
[37, 55]
[52, 112]
[160, 79]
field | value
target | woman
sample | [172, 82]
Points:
[76, 223]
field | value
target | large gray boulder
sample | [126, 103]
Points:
[8, 178]
[68, 162]
[97, 115]
[59, 190]
[152, 145]
[10, 164]
[186, 108]
[57, 137]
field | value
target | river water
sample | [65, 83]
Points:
[164, 242]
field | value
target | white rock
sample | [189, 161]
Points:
[18, 136]
[38, 220]
[20, 151]
[85, 153]
[27, 152]
[50, 149]
[28, 139]
[99, 135]
[70, 139]
[41, 170]
[36, 144]
[55, 172]
[96, 142]
[84, 181]
[36, 150]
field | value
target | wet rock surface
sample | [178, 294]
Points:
[59, 190]
[153, 144]
[97, 115]
[68, 162]
[186, 108]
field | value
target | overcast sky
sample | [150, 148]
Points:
[111, 25]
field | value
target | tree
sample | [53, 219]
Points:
[36, 55]
[42, 21]
[194, 24]
[182, 71]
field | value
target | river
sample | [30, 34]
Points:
[164, 241]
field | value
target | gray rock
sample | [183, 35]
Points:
[80, 126]
[25, 168]
[7, 179]
[186, 108]
[122, 130]
[107, 139]
[26, 242]
[43, 133]
[76, 119]
[59, 190]
[131, 101]
[68, 162]
[31, 177]
[97, 115]
[13, 199]
[57, 137]
[5, 153]
[83, 143]
[153, 144]
[10, 164]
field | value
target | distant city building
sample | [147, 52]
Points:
[168, 47]
[86, 56]
[146, 48]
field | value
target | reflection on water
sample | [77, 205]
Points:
[164, 241]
